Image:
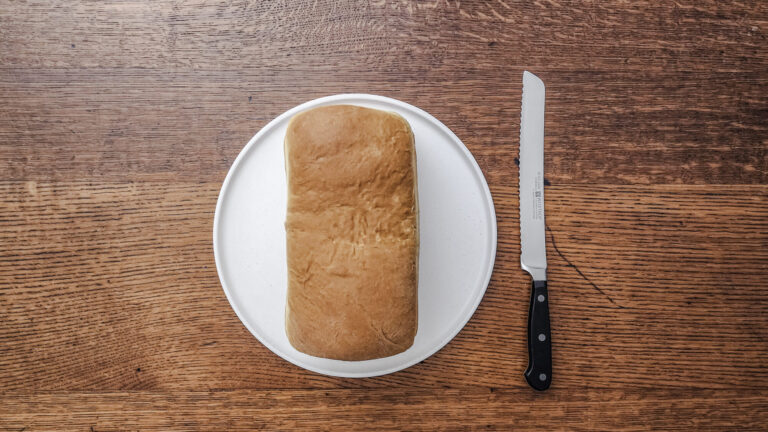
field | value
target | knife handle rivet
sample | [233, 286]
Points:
[540, 298]
[542, 337]
[542, 377]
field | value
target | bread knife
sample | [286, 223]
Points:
[533, 257]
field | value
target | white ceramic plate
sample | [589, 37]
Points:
[457, 228]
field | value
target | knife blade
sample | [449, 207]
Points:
[533, 257]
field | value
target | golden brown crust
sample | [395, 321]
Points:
[352, 233]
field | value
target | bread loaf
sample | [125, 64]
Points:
[352, 233]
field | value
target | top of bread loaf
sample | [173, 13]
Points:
[352, 235]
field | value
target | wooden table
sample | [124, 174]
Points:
[120, 119]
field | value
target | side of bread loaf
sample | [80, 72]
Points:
[352, 233]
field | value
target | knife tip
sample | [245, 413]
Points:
[530, 79]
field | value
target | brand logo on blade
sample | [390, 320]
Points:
[538, 197]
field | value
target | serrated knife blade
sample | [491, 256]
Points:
[532, 241]
[533, 256]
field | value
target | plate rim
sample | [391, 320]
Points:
[486, 279]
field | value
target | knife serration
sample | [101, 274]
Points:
[533, 258]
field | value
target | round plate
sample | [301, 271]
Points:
[457, 226]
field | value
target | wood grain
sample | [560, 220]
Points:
[120, 119]
[662, 93]
[427, 410]
[658, 308]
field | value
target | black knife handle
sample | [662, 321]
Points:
[539, 371]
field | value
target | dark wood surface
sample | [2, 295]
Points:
[120, 119]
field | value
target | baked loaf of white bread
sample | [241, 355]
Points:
[352, 233]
